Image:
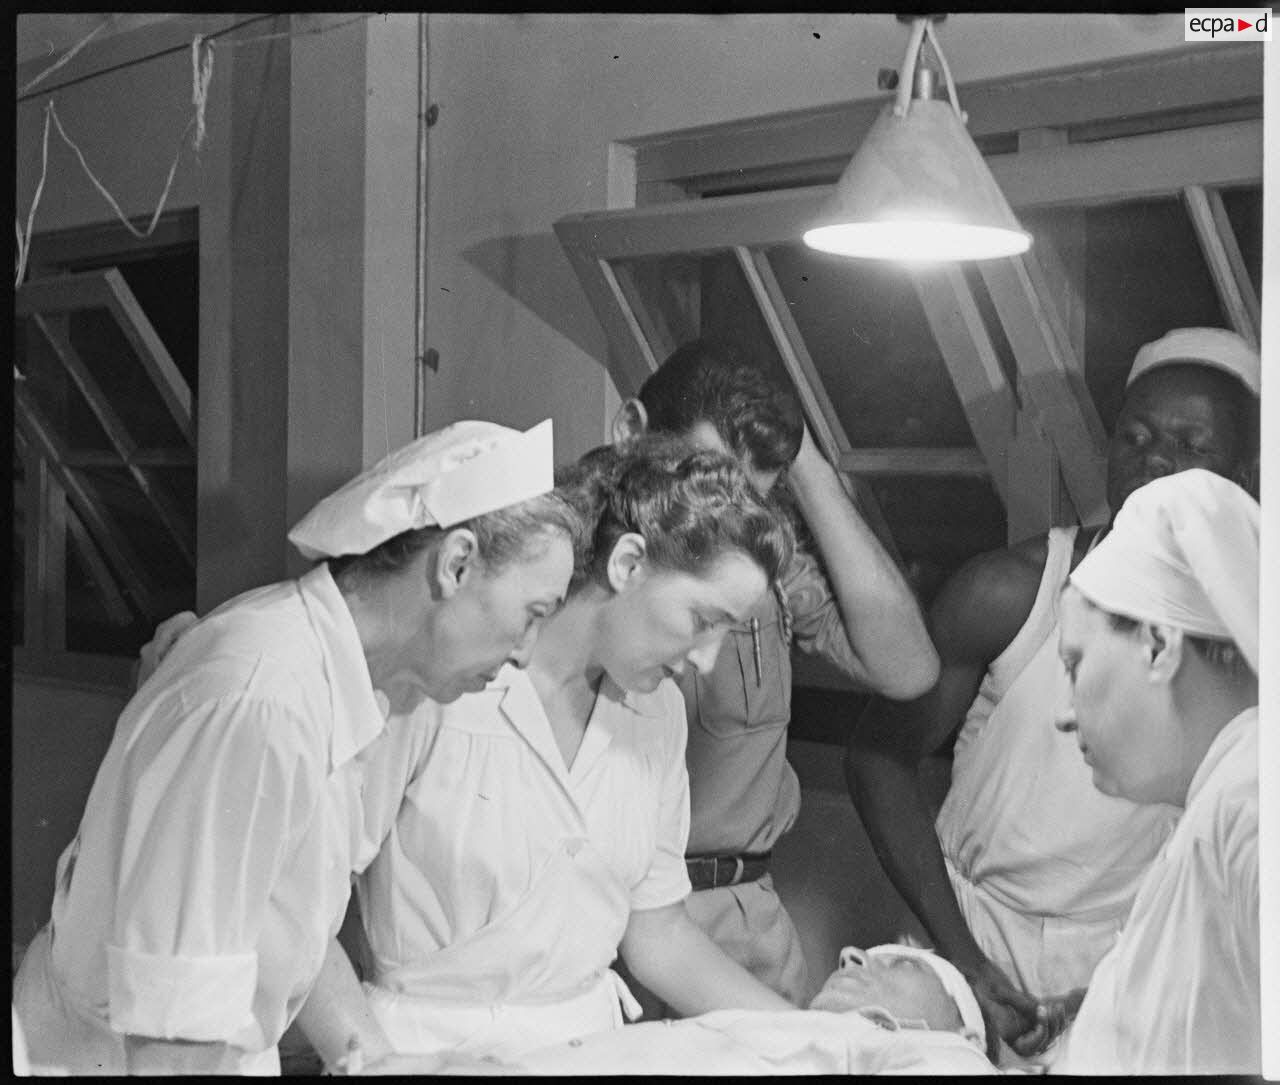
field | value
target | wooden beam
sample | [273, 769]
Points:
[929, 462]
[1226, 265]
[55, 250]
[1076, 174]
[1049, 379]
[829, 431]
[142, 457]
[153, 354]
[45, 590]
[631, 358]
[180, 529]
[653, 323]
[112, 601]
[972, 363]
[1135, 167]
[1191, 79]
[50, 449]
[107, 289]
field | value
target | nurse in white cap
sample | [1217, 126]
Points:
[1027, 873]
[530, 833]
[211, 869]
[1159, 637]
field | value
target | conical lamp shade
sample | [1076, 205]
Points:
[918, 190]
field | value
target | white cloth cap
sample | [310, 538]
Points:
[1183, 551]
[951, 978]
[464, 470]
[1215, 347]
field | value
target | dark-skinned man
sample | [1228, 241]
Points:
[1027, 876]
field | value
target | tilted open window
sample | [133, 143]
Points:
[104, 458]
[968, 405]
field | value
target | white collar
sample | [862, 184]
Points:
[1220, 748]
[358, 714]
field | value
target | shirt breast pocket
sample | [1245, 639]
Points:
[749, 688]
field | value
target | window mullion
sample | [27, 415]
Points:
[1222, 254]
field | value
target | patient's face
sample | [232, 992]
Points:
[905, 986]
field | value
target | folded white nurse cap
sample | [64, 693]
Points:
[464, 470]
[1216, 347]
[1183, 551]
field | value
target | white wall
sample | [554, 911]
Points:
[528, 107]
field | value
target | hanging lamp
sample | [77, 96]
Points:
[917, 189]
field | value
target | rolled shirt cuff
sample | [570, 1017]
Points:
[206, 999]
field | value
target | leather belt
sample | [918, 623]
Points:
[716, 871]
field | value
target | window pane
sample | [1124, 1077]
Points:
[1144, 274]
[124, 380]
[867, 333]
[153, 519]
[1244, 212]
[135, 517]
[90, 627]
[57, 397]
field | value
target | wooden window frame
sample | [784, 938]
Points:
[1182, 124]
[60, 511]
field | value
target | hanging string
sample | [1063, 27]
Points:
[24, 241]
[201, 73]
[907, 76]
[946, 71]
[69, 53]
[140, 234]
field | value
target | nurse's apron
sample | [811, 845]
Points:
[575, 906]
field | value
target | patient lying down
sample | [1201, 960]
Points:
[887, 1010]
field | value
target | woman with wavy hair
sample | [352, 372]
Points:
[531, 832]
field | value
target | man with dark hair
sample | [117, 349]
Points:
[855, 610]
[1029, 872]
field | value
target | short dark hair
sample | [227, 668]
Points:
[691, 507]
[518, 532]
[757, 419]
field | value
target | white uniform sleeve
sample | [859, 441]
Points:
[667, 880]
[222, 792]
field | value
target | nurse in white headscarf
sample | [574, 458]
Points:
[211, 868]
[1159, 637]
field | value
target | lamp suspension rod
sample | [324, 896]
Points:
[906, 78]
[932, 35]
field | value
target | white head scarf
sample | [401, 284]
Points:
[1217, 348]
[464, 470]
[1183, 551]
[953, 982]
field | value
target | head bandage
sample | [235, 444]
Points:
[953, 982]
[442, 479]
[1214, 347]
[1183, 552]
